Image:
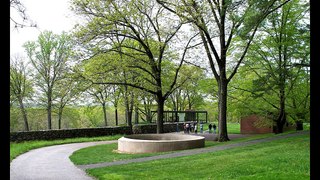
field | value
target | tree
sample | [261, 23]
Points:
[147, 101]
[101, 94]
[49, 55]
[105, 68]
[298, 100]
[188, 96]
[219, 23]
[19, 8]
[66, 91]
[115, 98]
[20, 85]
[282, 44]
[145, 35]
[191, 87]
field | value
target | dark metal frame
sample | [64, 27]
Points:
[189, 116]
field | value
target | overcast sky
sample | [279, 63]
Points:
[53, 15]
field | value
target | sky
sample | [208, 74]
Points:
[52, 15]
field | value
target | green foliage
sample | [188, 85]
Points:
[49, 56]
[73, 117]
[16, 122]
[127, 42]
[188, 95]
[92, 115]
[20, 84]
[270, 67]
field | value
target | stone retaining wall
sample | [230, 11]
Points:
[67, 133]
[91, 132]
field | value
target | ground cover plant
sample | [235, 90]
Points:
[280, 159]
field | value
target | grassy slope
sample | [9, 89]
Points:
[107, 152]
[281, 159]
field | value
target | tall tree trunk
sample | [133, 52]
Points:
[105, 114]
[136, 116]
[129, 117]
[189, 101]
[60, 117]
[49, 108]
[129, 114]
[160, 110]
[177, 100]
[222, 110]
[174, 103]
[24, 115]
[281, 120]
[282, 55]
[116, 114]
[147, 111]
[129, 108]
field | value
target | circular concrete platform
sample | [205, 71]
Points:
[148, 143]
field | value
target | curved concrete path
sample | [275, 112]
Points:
[50, 162]
[53, 162]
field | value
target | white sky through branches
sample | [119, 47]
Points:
[52, 15]
[56, 16]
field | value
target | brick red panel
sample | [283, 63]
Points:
[247, 126]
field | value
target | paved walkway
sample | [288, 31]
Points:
[50, 163]
[53, 162]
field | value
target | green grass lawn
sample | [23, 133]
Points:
[108, 153]
[22, 147]
[232, 128]
[104, 153]
[19, 148]
[280, 159]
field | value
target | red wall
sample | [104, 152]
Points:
[247, 126]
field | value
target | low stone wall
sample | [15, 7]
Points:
[91, 132]
[150, 143]
[67, 133]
